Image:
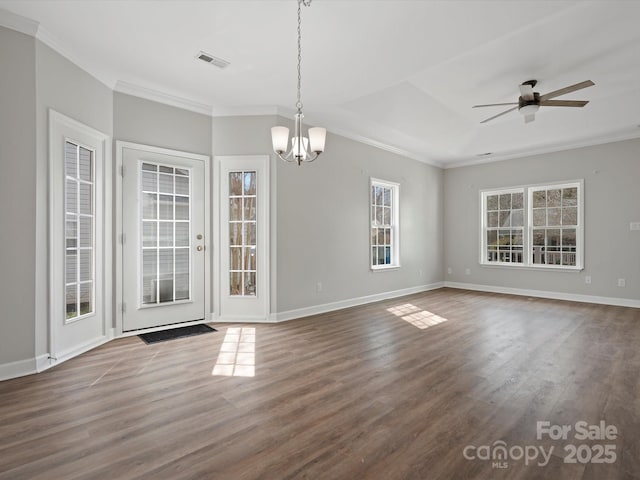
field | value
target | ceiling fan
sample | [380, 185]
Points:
[529, 101]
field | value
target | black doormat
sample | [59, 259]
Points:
[164, 335]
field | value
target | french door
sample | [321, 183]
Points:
[164, 237]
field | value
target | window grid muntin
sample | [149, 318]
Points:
[159, 183]
[78, 212]
[561, 216]
[568, 231]
[503, 219]
[243, 233]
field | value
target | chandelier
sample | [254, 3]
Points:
[303, 149]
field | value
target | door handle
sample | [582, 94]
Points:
[200, 248]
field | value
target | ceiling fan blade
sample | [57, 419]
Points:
[495, 104]
[529, 118]
[562, 91]
[526, 91]
[499, 115]
[564, 103]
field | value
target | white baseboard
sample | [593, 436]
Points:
[78, 350]
[351, 302]
[243, 319]
[571, 297]
[17, 369]
[132, 333]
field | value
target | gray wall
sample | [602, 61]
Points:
[66, 88]
[150, 123]
[323, 225]
[17, 196]
[611, 201]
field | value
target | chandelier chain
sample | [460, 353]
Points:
[299, 102]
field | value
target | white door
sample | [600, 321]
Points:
[244, 246]
[79, 225]
[163, 224]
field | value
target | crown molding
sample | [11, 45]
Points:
[243, 111]
[18, 23]
[161, 97]
[612, 137]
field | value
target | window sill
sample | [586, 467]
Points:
[550, 268]
[384, 268]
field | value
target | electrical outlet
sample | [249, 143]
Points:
[622, 282]
[467, 271]
[587, 279]
[319, 287]
[634, 226]
[449, 270]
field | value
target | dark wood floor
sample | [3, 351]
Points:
[362, 393]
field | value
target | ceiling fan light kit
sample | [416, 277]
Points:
[530, 102]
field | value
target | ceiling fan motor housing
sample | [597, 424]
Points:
[523, 103]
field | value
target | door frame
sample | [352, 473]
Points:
[118, 236]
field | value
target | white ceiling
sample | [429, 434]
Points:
[401, 74]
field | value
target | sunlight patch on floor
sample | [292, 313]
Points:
[415, 316]
[237, 357]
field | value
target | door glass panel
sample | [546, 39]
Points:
[166, 245]
[79, 217]
[242, 233]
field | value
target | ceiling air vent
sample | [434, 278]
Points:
[208, 58]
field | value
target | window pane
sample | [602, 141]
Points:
[71, 198]
[505, 218]
[85, 165]
[568, 239]
[492, 202]
[182, 286]
[517, 218]
[250, 233]
[570, 196]
[387, 236]
[235, 183]
[235, 258]
[386, 216]
[250, 183]
[149, 206]
[378, 195]
[166, 207]
[553, 216]
[72, 301]
[493, 219]
[386, 193]
[235, 233]
[71, 232]
[250, 208]
[182, 185]
[235, 283]
[165, 184]
[250, 258]
[71, 159]
[539, 237]
[166, 234]
[164, 169]
[235, 209]
[539, 198]
[492, 238]
[149, 181]
[539, 217]
[250, 283]
[149, 167]
[553, 239]
[504, 237]
[182, 208]
[86, 265]
[553, 198]
[182, 234]
[570, 216]
[149, 270]
[374, 236]
[149, 234]
[505, 201]
[71, 266]
[517, 200]
[381, 256]
[86, 302]
[86, 198]
[516, 237]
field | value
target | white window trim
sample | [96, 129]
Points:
[528, 227]
[395, 228]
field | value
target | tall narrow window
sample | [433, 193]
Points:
[555, 223]
[166, 234]
[79, 230]
[504, 220]
[242, 233]
[384, 224]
